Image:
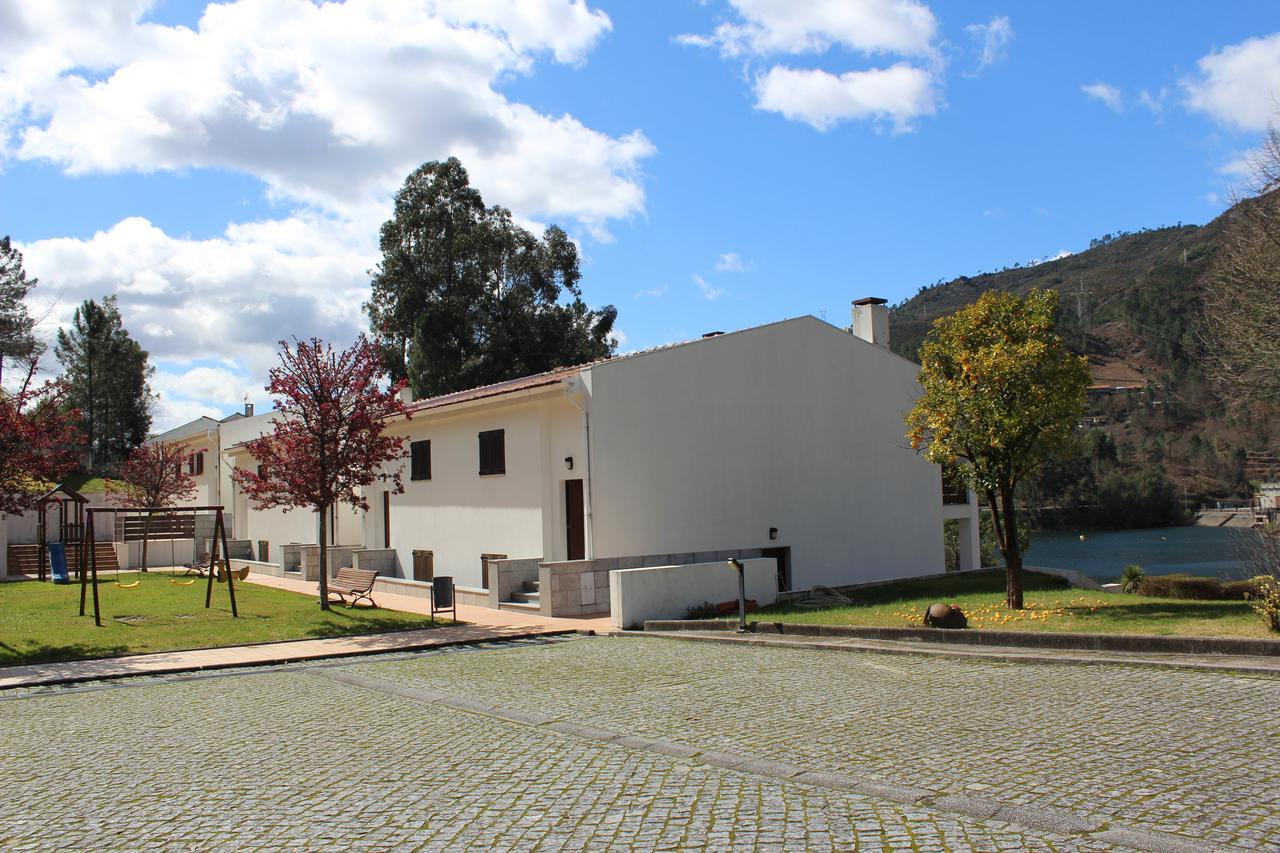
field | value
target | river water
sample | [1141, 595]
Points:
[1103, 554]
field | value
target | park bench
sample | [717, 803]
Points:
[356, 583]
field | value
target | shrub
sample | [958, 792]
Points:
[705, 610]
[1264, 596]
[1191, 586]
[1131, 577]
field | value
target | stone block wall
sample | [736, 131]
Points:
[380, 560]
[508, 576]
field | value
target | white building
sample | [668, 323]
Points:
[784, 441]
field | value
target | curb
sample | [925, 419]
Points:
[1241, 665]
[54, 681]
[1142, 643]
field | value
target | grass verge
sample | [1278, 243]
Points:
[40, 622]
[1051, 606]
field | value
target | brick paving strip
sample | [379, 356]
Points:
[1248, 664]
[263, 654]
[1053, 820]
[482, 624]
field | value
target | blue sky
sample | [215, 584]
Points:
[225, 169]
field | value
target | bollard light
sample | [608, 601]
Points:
[737, 564]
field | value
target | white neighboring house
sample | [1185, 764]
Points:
[784, 440]
[204, 439]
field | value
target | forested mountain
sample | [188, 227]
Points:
[1156, 433]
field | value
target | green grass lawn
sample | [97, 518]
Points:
[40, 622]
[1051, 606]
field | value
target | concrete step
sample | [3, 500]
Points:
[516, 605]
[525, 597]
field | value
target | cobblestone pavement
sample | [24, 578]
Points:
[493, 750]
[295, 759]
[1187, 753]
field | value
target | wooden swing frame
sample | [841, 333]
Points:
[89, 558]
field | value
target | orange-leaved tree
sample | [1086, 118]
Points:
[1002, 393]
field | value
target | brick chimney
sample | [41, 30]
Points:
[871, 320]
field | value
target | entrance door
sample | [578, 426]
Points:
[783, 556]
[575, 523]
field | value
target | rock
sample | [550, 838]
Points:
[945, 616]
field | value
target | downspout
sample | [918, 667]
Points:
[577, 393]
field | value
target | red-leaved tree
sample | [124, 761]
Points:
[327, 444]
[153, 475]
[37, 441]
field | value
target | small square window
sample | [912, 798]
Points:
[420, 460]
[493, 452]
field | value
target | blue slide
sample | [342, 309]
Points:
[58, 562]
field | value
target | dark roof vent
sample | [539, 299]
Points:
[712, 335]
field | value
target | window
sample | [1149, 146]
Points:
[195, 464]
[262, 472]
[420, 460]
[493, 452]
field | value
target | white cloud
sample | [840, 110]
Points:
[650, 292]
[823, 97]
[785, 26]
[708, 291]
[900, 94]
[992, 39]
[1106, 93]
[214, 384]
[1062, 253]
[1239, 85]
[331, 105]
[732, 262]
[1154, 101]
[230, 298]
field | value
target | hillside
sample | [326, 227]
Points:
[1133, 303]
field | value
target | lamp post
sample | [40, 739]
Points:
[737, 564]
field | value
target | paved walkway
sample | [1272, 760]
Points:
[1261, 664]
[614, 744]
[482, 624]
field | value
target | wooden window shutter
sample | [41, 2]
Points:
[493, 452]
[420, 460]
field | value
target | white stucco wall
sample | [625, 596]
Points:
[459, 514]
[796, 425]
[667, 592]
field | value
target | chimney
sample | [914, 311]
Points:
[405, 395]
[871, 320]
[248, 407]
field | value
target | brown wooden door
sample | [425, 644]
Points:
[575, 523]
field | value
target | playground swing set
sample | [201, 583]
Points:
[147, 524]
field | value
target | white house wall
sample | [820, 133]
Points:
[458, 514]
[796, 425]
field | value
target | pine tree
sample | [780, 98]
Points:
[107, 373]
[17, 339]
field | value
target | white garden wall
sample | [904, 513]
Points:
[667, 592]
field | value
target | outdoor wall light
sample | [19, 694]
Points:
[773, 533]
[568, 462]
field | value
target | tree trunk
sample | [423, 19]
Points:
[1012, 551]
[324, 558]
